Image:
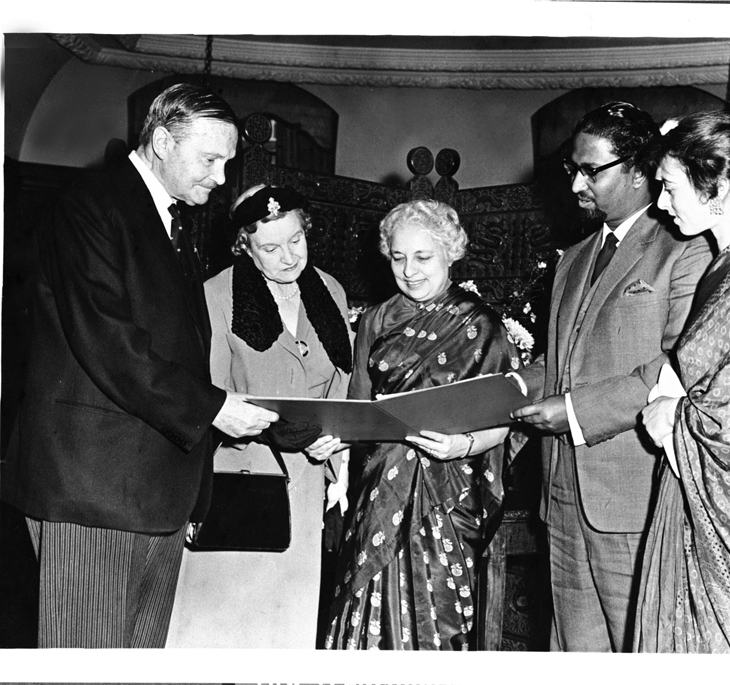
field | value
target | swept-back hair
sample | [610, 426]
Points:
[438, 218]
[178, 106]
[625, 126]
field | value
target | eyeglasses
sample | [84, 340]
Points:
[590, 172]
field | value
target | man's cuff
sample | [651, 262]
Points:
[520, 382]
[575, 432]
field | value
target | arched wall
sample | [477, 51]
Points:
[80, 110]
[84, 106]
[489, 128]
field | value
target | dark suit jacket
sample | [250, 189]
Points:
[114, 429]
[606, 345]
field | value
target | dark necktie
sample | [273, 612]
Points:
[181, 242]
[604, 256]
[176, 227]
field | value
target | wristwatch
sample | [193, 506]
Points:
[470, 438]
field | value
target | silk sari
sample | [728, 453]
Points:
[407, 569]
[684, 600]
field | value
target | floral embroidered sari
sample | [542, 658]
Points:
[684, 600]
[407, 570]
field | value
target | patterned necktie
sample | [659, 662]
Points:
[175, 227]
[604, 256]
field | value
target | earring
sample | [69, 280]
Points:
[716, 207]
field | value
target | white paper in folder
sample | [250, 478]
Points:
[668, 385]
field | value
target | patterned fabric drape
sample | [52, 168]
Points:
[685, 592]
[407, 575]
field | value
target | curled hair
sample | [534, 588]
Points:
[701, 144]
[628, 129]
[243, 236]
[178, 106]
[438, 218]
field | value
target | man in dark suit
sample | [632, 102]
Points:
[112, 452]
[620, 300]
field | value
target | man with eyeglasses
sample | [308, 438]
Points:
[619, 302]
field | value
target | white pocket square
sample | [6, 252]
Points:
[637, 288]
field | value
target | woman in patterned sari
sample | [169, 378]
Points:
[420, 524]
[685, 591]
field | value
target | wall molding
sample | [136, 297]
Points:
[680, 63]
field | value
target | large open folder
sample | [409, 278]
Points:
[469, 405]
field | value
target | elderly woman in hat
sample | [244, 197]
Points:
[280, 328]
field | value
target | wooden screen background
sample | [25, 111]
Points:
[511, 251]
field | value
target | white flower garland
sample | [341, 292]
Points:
[516, 332]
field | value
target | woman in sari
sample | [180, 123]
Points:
[422, 509]
[684, 602]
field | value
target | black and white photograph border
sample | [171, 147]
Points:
[556, 18]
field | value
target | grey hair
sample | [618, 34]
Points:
[438, 218]
[177, 107]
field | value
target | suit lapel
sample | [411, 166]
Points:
[628, 253]
[574, 288]
[140, 200]
[577, 295]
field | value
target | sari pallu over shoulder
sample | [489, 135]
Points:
[684, 600]
[457, 336]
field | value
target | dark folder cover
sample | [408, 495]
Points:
[469, 405]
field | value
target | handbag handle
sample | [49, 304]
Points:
[280, 460]
[277, 455]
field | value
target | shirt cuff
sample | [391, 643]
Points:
[520, 382]
[575, 432]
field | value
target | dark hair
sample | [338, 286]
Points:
[701, 144]
[625, 126]
[178, 106]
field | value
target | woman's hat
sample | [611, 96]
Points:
[270, 201]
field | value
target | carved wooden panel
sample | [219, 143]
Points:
[527, 607]
[343, 240]
[511, 252]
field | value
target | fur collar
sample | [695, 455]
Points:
[256, 317]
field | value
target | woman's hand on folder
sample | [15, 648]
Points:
[324, 447]
[445, 447]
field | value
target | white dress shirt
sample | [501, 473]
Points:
[160, 196]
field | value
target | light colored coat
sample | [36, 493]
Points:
[278, 371]
[260, 599]
[606, 345]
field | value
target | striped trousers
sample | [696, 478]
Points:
[104, 588]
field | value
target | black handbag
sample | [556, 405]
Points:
[248, 512]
